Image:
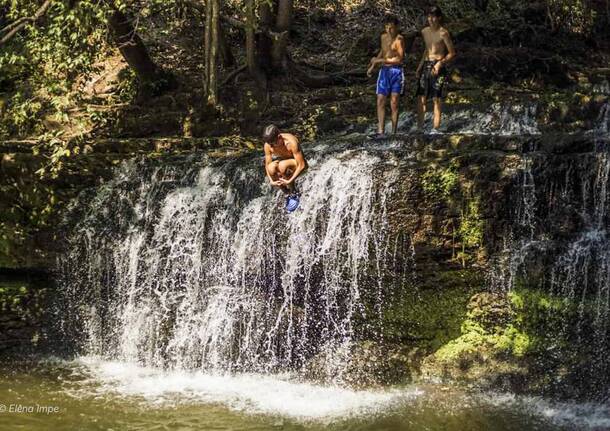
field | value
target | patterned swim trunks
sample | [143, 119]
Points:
[431, 85]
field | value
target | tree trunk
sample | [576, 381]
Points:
[225, 49]
[212, 94]
[264, 42]
[250, 41]
[481, 5]
[131, 46]
[282, 27]
[284, 15]
[207, 38]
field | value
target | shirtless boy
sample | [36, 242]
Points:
[284, 160]
[391, 77]
[431, 73]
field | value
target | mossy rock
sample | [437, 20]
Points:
[430, 316]
[522, 340]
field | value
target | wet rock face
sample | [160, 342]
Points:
[490, 310]
[367, 364]
[23, 314]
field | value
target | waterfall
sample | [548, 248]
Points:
[520, 241]
[196, 265]
[500, 119]
[584, 266]
[558, 240]
[582, 272]
[603, 124]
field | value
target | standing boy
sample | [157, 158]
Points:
[390, 81]
[431, 72]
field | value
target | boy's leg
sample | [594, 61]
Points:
[286, 168]
[421, 112]
[438, 106]
[381, 113]
[395, 97]
[272, 169]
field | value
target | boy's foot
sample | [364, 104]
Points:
[434, 132]
[376, 135]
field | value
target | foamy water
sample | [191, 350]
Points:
[589, 416]
[281, 395]
[497, 119]
[250, 393]
[93, 393]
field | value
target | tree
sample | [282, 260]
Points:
[128, 41]
[279, 56]
[211, 40]
[131, 46]
[13, 28]
[250, 41]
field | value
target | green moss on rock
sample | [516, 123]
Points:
[431, 315]
[507, 338]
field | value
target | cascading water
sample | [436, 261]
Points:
[575, 266]
[582, 272]
[521, 239]
[199, 267]
[603, 124]
[497, 119]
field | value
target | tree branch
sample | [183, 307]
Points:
[233, 22]
[274, 35]
[16, 26]
[233, 74]
[16, 23]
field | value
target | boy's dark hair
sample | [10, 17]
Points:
[435, 11]
[270, 133]
[391, 19]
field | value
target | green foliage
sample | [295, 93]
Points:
[127, 87]
[571, 16]
[308, 129]
[575, 16]
[490, 327]
[543, 316]
[22, 113]
[57, 150]
[471, 227]
[440, 182]
[444, 184]
[41, 63]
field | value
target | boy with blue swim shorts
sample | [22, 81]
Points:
[390, 81]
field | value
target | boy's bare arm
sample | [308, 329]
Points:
[450, 48]
[375, 60]
[295, 148]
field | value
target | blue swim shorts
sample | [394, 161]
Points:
[391, 80]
